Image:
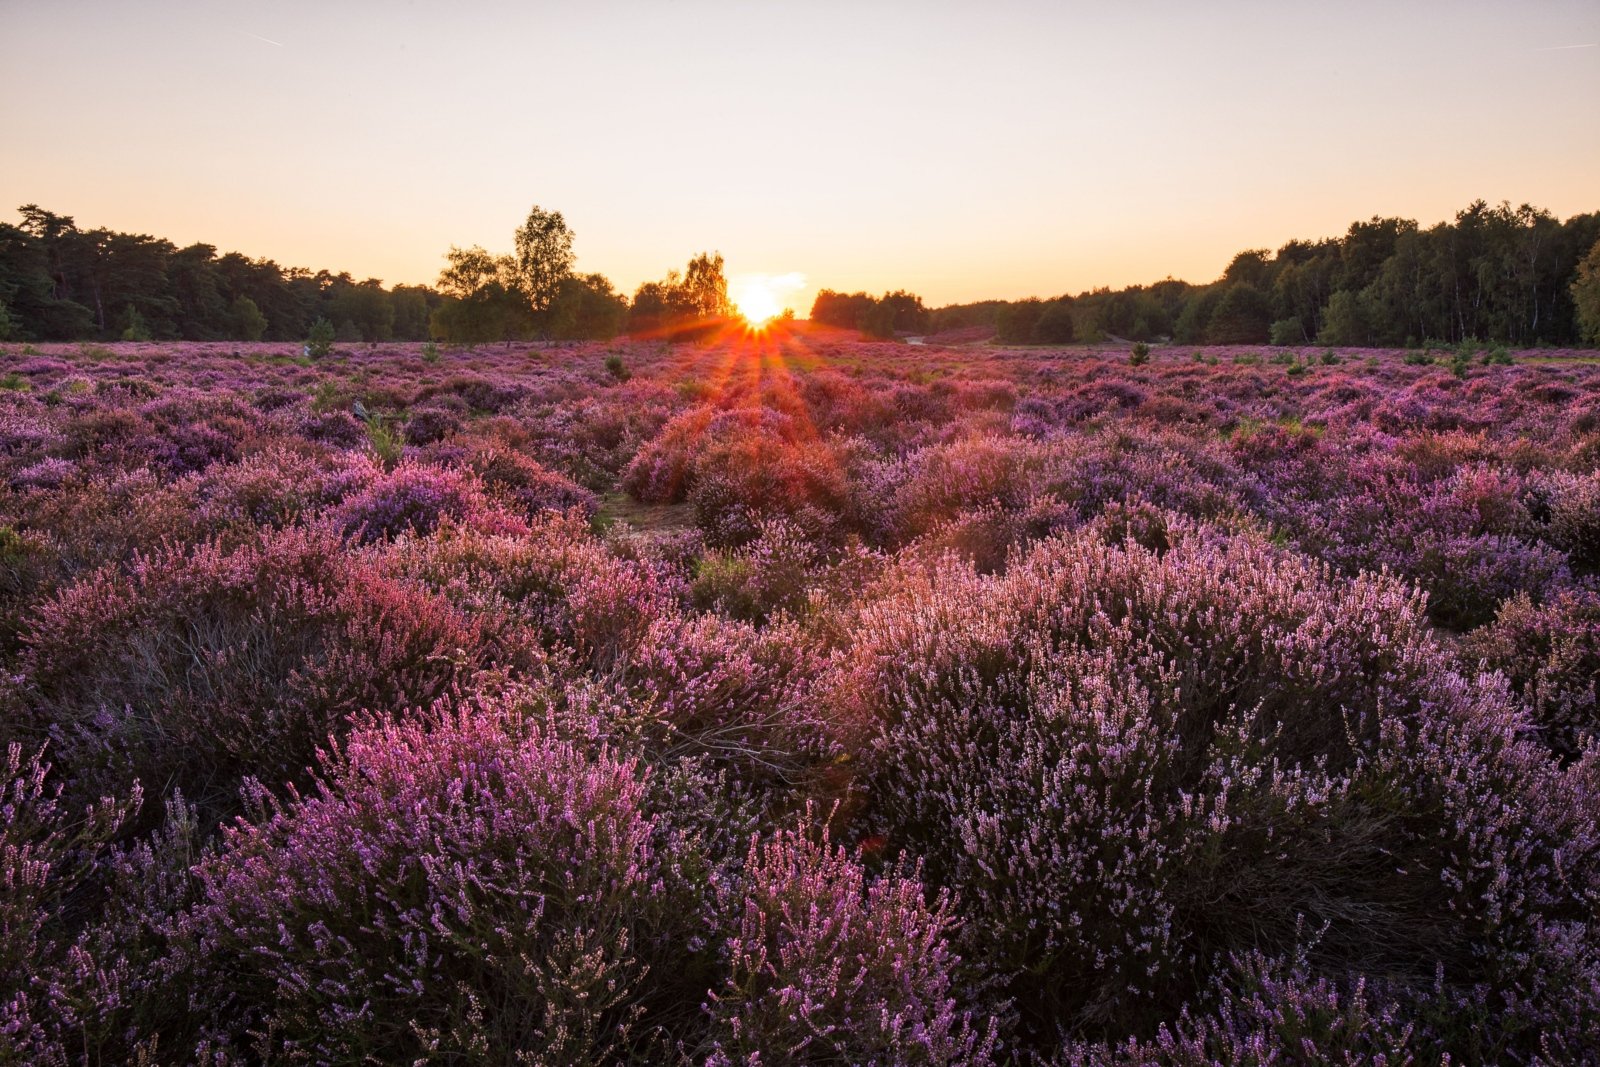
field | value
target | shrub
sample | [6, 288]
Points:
[52, 990]
[1131, 763]
[526, 487]
[739, 697]
[428, 425]
[1140, 355]
[1286, 332]
[769, 575]
[1569, 504]
[558, 580]
[415, 499]
[198, 668]
[1551, 655]
[320, 341]
[831, 966]
[461, 886]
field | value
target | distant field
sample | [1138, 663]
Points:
[878, 702]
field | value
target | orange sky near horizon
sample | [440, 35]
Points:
[962, 153]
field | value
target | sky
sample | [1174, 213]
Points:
[962, 151]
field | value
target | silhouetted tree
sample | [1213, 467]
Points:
[543, 257]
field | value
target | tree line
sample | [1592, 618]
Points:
[62, 283]
[1495, 273]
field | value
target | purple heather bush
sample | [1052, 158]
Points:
[1551, 655]
[1231, 707]
[1129, 764]
[461, 886]
[829, 965]
[415, 499]
[197, 668]
[526, 487]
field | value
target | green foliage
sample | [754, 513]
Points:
[879, 322]
[586, 308]
[1056, 325]
[248, 319]
[1287, 332]
[1585, 290]
[1015, 322]
[386, 440]
[683, 306]
[1140, 355]
[12, 382]
[1498, 356]
[320, 340]
[544, 257]
[1345, 321]
[617, 369]
[882, 317]
[430, 353]
[1242, 317]
[1417, 359]
[134, 326]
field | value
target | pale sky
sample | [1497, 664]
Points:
[962, 151]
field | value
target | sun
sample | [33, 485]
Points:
[756, 301]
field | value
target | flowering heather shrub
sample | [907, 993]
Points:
[29, 566]
[188, 447]
[199, 667]
[1551, 654]
[46, 474]
[1462, 538]
[273, 488]
[665, 470]
[768, 576]
[1126, 763]
[1119, 707]
[109, 519]
[337, 428]
[737, 696]
[940, 481]
[592, 438]
[1273, 1011]
[745, 480]
[463, 886]
[559, 580]
[527, 488]
[427, 425]
[51, 988]
[827, 965]
[1572, 506]
[414, 499]
[477, 392]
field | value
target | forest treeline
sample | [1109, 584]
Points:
[62, 283]
[1494, 273]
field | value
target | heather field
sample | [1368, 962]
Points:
[791, 699]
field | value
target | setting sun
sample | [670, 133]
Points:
[756, 302]
[761, 298]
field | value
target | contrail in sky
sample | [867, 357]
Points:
[1564, 47]
[258, 37]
